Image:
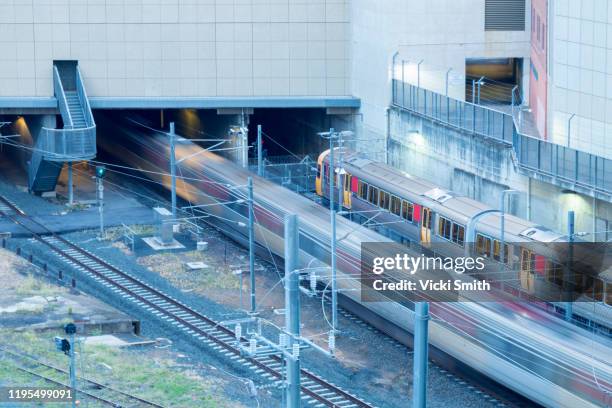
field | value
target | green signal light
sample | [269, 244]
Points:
[100, 171]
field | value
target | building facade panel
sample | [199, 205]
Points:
[177, 48]
[580, 111]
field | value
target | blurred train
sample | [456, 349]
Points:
[545, 359]
[411, 210]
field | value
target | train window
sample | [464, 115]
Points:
[426, 223]
[496, 252]
[608, 294]
[363, 190]
[396, 205]
[555, 274]
[373, 195]
[318, 171]
[483, 245]
[444, 228]
[384, 200]
[598, 287]
[458, 234]
[582, 282]
[525, 266]
[407, 211]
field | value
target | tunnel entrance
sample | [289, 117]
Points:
[491, 80]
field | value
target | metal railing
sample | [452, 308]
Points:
[80, 87]
[61, 99]
[568, 165]
[67, 144]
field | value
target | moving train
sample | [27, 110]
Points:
[411, 210]
[543, 358]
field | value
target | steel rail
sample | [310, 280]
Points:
[338, 398]
[91, 382]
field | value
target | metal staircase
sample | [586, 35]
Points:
[76, 141]
[76, 110]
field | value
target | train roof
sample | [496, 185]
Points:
[460, 208]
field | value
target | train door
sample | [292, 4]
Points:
[526, 274]
[318, 187]
[320, 174]
[346, 191]
[426, 226]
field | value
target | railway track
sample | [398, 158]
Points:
[57, 376]
[315, 390]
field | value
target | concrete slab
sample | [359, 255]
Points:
[154, 243]
[112, 340]
[195, 266]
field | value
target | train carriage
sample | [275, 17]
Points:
[411, 210]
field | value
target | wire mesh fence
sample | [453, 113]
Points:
[570, 165]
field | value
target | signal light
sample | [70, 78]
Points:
[65, 346]
[62, 345]
[100, 171]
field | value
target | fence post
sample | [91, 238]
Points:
[576, 166]
[403, 86]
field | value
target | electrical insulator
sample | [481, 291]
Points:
[313, 281]
[332, 341]
[252, 346]
[252, 388]
[238, 331]
[296, 350]
[282, 340]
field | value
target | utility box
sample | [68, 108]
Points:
[164, 221]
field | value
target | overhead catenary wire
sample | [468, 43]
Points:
[268, 246]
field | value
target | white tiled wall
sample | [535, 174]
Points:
[177, 47]
[582, 74]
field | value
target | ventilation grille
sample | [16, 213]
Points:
[504, 15]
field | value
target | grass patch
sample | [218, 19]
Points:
[30, 286]
[171, 267]
[115, 233]
[148, 373]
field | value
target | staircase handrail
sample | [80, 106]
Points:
[67, 145]
[89, 119]
[58, 90]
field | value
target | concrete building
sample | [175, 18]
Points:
[431, 38]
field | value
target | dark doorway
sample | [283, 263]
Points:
[492, 80]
